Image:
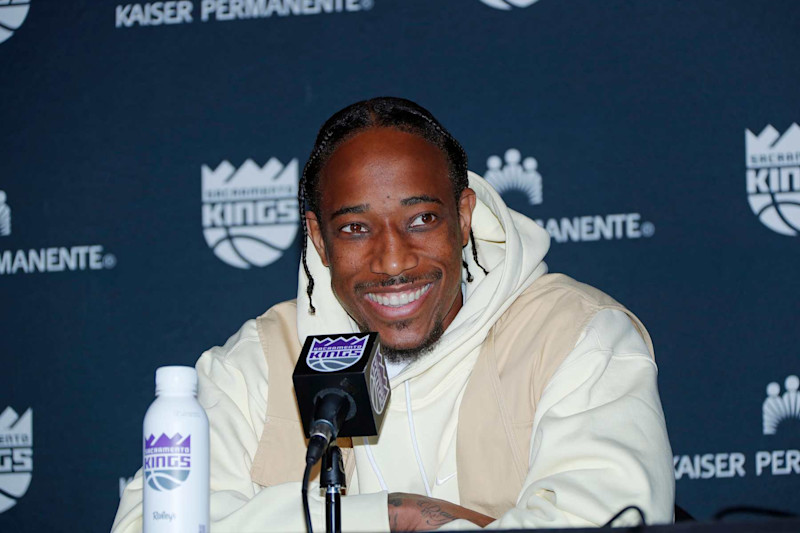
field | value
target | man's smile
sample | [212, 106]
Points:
[397, 299]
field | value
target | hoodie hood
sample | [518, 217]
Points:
[510, 246]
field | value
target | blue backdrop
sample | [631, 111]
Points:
[150, 154]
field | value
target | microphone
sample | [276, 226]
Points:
[342, 388]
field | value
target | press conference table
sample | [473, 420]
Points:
[783, 525]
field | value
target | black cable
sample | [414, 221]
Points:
[747, 509]
[622, 511]
[304, 490]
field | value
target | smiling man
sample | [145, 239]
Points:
[388, 225]
[520, 398]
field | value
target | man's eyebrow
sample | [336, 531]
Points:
[349, 209]
[424, 198]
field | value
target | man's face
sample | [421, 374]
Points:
[391, 233]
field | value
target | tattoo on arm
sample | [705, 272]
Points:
[433, 514]
[395, 501]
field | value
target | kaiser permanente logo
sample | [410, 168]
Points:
[186, 11]
[780, 414]
[5, 216]
[773, 178]
[250, 214]
[12, 15]
[513, 173]
[508, 4]
[16, 456]
[781, 408]
[51, 259]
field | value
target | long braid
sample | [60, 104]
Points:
[304, 225]
[397, 113]
[475, 252]
[305, 203]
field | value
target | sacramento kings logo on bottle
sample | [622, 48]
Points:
[330, 355]
[167, 461]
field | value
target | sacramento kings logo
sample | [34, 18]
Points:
[16, 456]
[508, 4]
[378, 383]
[773, 178]
[167, 461]
[12, 15]
[250, 215]
[330, 355]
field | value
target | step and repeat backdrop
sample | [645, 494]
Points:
[150, 154]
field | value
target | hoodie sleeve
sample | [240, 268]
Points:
[233, 391]
[599, 440]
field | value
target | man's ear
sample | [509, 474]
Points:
[466, 204]
[315, 232]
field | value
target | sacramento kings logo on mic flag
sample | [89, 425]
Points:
[330, 355]
[167, 461]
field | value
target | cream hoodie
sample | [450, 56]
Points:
[572, 482]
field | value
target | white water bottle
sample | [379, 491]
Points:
[175, 456]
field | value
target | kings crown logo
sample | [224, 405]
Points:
[330, 355]
[781, 408]
[250, 215]
[167, 461]
[515, 174]
[773, 178]
[16, 456]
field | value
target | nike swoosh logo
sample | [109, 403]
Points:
[445, 479]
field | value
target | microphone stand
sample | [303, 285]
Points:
[332, 478]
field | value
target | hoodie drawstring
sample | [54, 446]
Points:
[414, 440]
[413, 433]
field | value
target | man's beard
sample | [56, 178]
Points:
[409, 355]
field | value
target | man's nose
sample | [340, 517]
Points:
[392, 254]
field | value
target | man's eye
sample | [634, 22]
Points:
[354, 227]
[423, 220]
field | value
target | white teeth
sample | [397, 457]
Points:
[398, 299]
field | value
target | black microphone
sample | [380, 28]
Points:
[342, 388]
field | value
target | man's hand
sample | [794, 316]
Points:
[412, 512]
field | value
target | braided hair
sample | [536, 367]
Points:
[387, 112]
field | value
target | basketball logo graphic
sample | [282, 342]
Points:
[773, 178]
[508, 4]
[16, 456]
[12, 15]
[250, 215]
[330, 355]
[167, 461]
[515, 174]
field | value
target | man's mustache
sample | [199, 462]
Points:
[402, 279]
